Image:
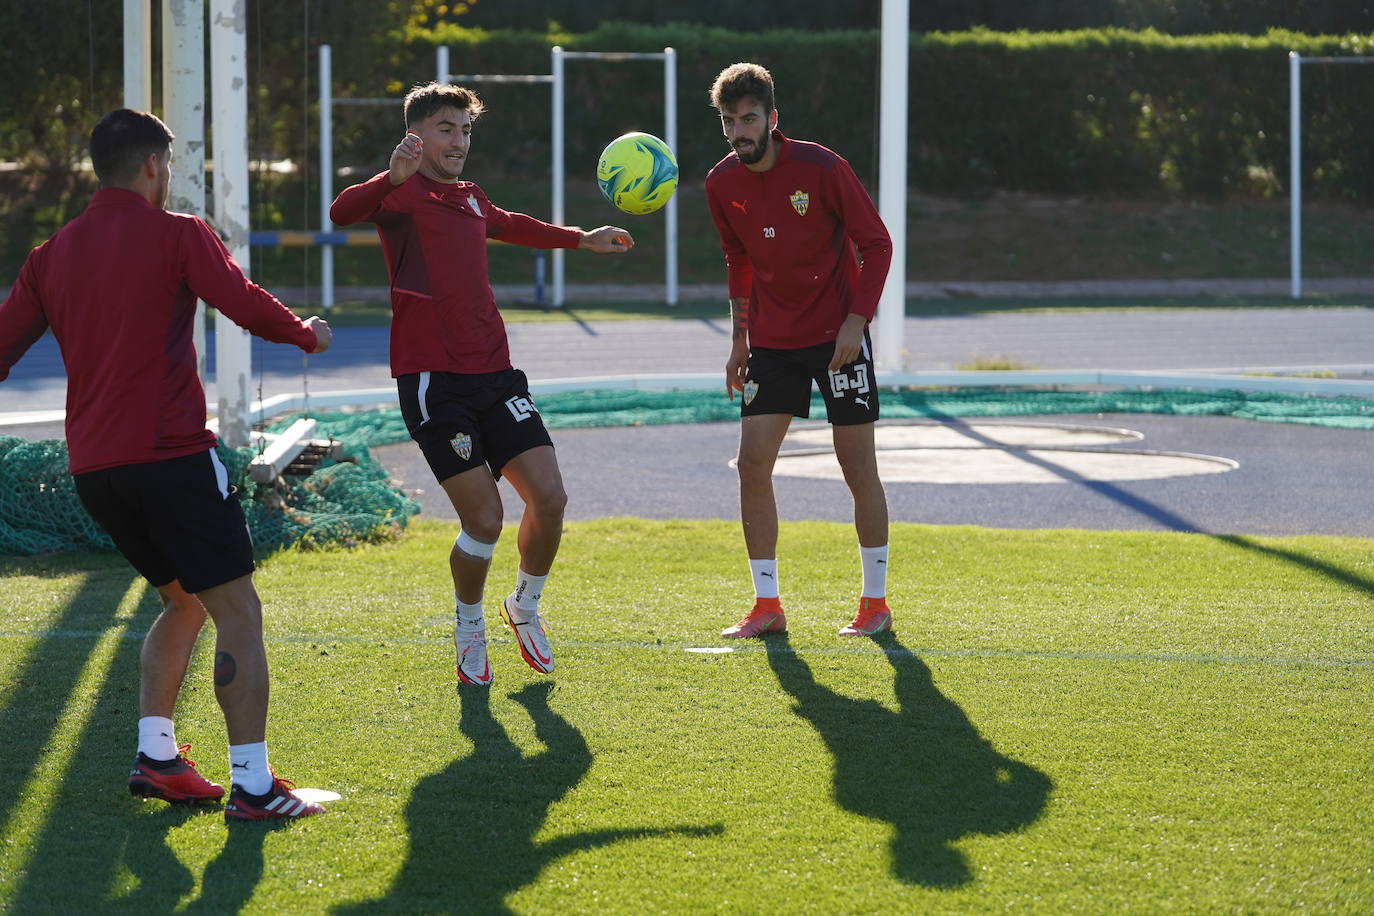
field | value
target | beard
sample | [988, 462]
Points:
[754, 155]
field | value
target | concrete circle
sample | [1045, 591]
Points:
[999, 453]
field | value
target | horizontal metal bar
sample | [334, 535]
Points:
[614, 55]
[499, 78]
[1336, 60]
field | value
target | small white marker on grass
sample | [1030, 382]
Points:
[709, 650]
[314, 796]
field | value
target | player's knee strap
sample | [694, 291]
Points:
[473, 547]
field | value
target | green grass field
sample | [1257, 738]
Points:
[1064, 720]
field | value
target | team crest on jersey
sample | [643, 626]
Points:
[462, 444]
[800, 201]
[751, 388]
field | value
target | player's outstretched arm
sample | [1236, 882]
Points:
[607, 240]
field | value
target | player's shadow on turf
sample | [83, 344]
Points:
[472, 826]
[924, 769]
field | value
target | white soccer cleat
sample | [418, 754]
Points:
[529, 633]
[471, 646]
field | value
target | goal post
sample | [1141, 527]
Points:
[1295, 63]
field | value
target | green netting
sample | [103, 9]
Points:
[353, 500]
[629, 407]
[338, 503]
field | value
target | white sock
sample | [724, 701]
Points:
[470, 615]
[248, 767]
[528, 589]
[874, 560]
[765, 573]
[157, 739]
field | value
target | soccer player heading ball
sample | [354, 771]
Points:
[465, 406]
[787, 212]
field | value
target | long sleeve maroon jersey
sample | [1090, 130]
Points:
[434, 237]
[789, 236]
[118, 286]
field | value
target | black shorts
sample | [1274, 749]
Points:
[173, 519]
[779, 381]
[463, 421]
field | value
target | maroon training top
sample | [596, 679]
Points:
[118, 287]
[434, 236]
[787, 236]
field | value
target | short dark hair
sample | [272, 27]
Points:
[741, 81]
[121, 141]
[424, 99]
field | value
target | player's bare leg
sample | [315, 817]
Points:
[760, 437]
[240, 659]
[162, 768]
[475, 498]
[478, 503]
[535, 476]
[854, 449]
[167, 650]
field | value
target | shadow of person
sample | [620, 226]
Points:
[472, 826]
[924, 769]
[232, 877]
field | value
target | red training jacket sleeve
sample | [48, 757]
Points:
[519, 229]
[21, 318]
[865, 229]
[213, 275]
[361, 201]
[739, 273]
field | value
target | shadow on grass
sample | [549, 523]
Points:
[924, 769]
[95, 837]
[472, 826]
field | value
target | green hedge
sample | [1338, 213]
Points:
[1091, 112]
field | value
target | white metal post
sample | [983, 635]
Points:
[670, 135]
[229, 113]
[441, 70]
[556, 68]
[1295, 172]
[183, 104]
[326, 174]
[138, 55]
[892, 178]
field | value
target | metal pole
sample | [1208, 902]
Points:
[183, 104]
[441, 69]
[558, 216]
[229, 115]
[892, 178]
[138, 55]
[1295, 172]
[326, 174]
[670, 135]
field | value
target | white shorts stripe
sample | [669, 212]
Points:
[420, 396]
[221, 474]
[863, 347]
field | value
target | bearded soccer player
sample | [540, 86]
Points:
[118, 287]
[790, 214]
[464, 404]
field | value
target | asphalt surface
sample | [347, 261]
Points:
[1291, 479]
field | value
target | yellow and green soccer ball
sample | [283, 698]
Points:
[637, 172]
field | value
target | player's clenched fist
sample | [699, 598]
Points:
[405, 159]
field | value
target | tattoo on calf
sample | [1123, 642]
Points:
[225, 669]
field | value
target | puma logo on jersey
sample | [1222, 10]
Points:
[742, 209]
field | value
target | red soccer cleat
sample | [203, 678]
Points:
[175, 780]
[874, 617]
[765, 617]
[278, 803]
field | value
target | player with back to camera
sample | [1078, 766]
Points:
[464, 404]
[118, 287]
[789, 214]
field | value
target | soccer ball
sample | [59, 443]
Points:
[637, 172]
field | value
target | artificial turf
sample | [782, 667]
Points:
[1063, 720]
